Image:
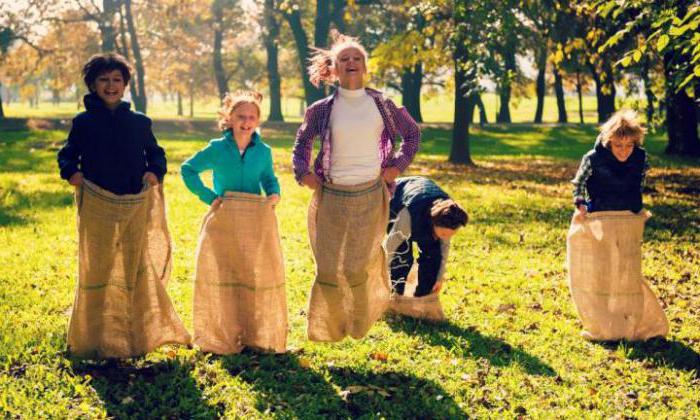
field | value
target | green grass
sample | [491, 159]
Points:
[436, 108]
[511, 346]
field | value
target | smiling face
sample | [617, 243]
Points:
[109, 86]
[350, 68]
[621, 147]
[243, 121]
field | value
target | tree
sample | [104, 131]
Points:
[271, 33]
[292, 12]
[669, 29]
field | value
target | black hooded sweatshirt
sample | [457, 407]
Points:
[603, 183]
[113, 149]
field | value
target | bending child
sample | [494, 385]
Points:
[121, 307]
[239, 297]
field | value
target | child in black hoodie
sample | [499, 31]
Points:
[109, 144]
[611, 176]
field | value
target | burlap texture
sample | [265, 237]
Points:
[425, 307]
[239, 296]
[605, 278]
[351, 290]
[121, 307]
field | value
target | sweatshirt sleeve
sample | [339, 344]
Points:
[70, 153]
[155, 155]
[268, 179]
[579, 181]
[191, 168]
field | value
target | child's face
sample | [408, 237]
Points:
[444, 233]
[110, 88]
[244, 120]
[621, 148]
[350, 67]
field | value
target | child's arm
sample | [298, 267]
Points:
[410, 137]
[155, 156]
[201, 161]
[303, 146]
[644, 173]
[268, 180]
[579, 181]
[69, 155]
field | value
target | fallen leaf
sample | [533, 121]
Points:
[378, 355]
[305, 363]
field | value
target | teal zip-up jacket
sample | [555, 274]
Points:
[232, 172]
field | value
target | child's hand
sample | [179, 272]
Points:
[151, 178]
[273, 199]
[76, 179]
[311, 181]
[580, 213]
[389, 174]
[437, 287]
[216, 203]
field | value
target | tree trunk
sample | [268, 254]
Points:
[411, 82]
[503, 115]
[681, 113]
[124, 50]
[179, 104]
[322, 24]
[2, 110]
[579, 92]
[140, 101]
[191, 98]
[559, 93]
[311, 93]
[605, 92]
[648, 92]
[483, 118]
[540, 86]
[338, 15]
[218, 62]
[271, 33]
[106, 25]
[459, 152]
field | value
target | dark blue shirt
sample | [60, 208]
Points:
[113, 149]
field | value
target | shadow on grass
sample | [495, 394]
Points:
[288, 389]
[285, 387]
[661, 352]
[139, 389]
[471, 343]
[16, 203]
[394, 395]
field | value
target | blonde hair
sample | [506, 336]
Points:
[623, 124]
[234, 100]
[322, 62]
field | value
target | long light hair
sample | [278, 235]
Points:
[234, 100]
[322, 62]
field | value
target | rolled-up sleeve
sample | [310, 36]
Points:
[410, 137]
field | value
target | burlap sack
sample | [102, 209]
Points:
[239, 295]
[351, 290]
[605, 278]
[121, 307]
[425, 307]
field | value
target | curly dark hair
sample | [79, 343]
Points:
[100, 64]
[448, 214]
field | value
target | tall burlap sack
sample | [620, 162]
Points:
[426, 307]
[121, 306]
[351, 290]
[605, 278]
[239, 296]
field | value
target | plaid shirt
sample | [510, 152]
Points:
[317, 123]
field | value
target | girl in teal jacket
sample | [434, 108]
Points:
[240, 161]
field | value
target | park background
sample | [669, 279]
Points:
[509, 93]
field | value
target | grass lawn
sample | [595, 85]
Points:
[511, 347]
[436, 108]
